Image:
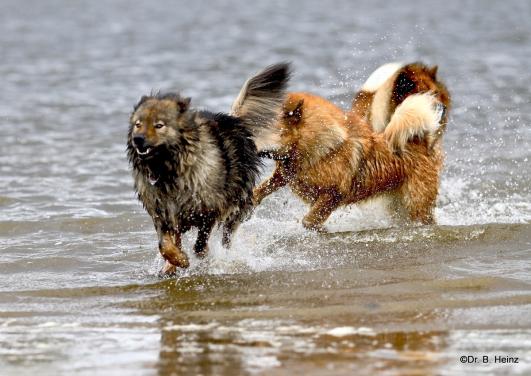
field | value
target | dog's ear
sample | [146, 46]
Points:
[183, 104]
[294, 116]
[141, 102]
[433, 71]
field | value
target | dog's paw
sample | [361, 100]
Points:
[201, 253]
[168, 270]
[174, 256]
[257, 199]
[308, 225]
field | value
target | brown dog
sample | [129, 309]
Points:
[329, 158]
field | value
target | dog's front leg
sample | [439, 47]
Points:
[205, 228]
[170, 248]
[320, 211]
[276, 181]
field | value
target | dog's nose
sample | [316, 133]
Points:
[139, 141]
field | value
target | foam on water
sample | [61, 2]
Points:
[266, 241]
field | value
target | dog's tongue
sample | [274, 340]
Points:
[152, 179]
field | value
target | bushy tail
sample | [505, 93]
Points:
[418, 116]
[362, 103]
[260, 101]
[380, 76]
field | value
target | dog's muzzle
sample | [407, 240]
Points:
[141, 146]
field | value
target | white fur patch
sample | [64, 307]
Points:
[379, 114]
[380, 75]
[419, 115]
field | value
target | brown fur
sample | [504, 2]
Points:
[331, 159]
[361, 104]
[411, 79]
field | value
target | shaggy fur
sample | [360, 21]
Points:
[418, 116]
[329, 158]
[196, 168]
[390, 85]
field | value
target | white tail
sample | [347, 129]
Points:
[380, 75]
[419, 115]
[381, 82]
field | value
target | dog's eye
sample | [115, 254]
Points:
[159, 125]
[137, 124]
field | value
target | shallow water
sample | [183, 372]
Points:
[78, 287]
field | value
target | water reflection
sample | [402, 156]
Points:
[207, 330]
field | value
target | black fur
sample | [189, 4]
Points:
[239, 159]
[202, 169]
[404, 86]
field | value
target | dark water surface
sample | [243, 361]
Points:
[78, 287]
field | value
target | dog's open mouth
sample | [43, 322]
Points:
[144, 151]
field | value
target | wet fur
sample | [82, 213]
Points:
[388, 86]
[202, 166]
[330, 159]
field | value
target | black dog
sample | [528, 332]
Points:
[196, 168]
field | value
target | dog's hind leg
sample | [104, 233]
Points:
[231, 225]
[419, 195]
[233, 222]
[168, 270]
[421, 212]
[203, 234]
[320, 211]
[396, 208]
[229, 228]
